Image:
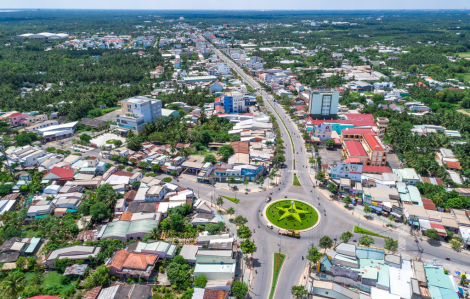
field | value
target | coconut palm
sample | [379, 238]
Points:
[13, 285]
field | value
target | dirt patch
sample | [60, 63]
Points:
[463, 111]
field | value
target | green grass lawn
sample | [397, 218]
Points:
[296, 180]
[464, 55]
[360, 230]
[307, 219]
[235, 200]
[278, 260]
[110, 141]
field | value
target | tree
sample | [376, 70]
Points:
[99, 277]
[391, 218]
[99, 211]
[117, 143]
[347, 200]
[178, 272]
[332, 188]
[13, 284]
[240, 220]
[261, 180]
[366, 240]
[456, 244]
[200, 281]
[220, 201]
[367, 209]
[134, 143]
[391, 244]
[244, 232]
[330, 143]
[214, 228]
[210, 158]
[320, 176]
[123, 159]
[226, 151]
[156, 167]
[246, 182]
[247, 246]
[231, 211]
[432, 234]
[231, 180]
[239, 289]
[299, 291]
[85, 138]
[346, 236]
[325, 242]
[135, 185]
[5, 189]
[313, 254]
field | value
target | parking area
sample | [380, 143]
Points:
[111, 116]
[330, 156]
[101, 140]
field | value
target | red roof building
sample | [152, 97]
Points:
[439, 227]
[453, 165]
[59, 174]
[376, 169]
[429, 204]
[355, 149]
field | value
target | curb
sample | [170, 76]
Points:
[300, 231]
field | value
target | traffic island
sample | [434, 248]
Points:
[278, 260]
[292, 214]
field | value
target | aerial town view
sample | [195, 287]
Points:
[218, 150]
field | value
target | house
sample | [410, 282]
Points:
[138, 111]
[117, 291]
[209, 293]
[58, 132]
[132, 265]
[39, 209]
[407, 175]
[155, 193]
[78, 252]
[216, 87]
[160, 248]
[27, 155]
[189, 252]
[59, 174]
[93, 123]
[127, 230]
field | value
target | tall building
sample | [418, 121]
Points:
[137, 111]
[323, 104]
[234, 102]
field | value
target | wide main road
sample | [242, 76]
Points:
[336, 221]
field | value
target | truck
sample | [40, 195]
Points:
[289, 232]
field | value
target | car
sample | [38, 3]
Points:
[269, 225]
[268, 199]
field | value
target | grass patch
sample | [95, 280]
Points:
[303, 218]
[296, 180]
[360, 230]
[110, 141]
[235, 200]
[278, 260]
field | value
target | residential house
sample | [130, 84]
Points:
[78, 252]
[132, 265]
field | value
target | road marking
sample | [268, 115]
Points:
[401, 243]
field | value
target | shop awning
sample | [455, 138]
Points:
[424, 224]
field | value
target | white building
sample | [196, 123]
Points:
[223, 69]
[26, 155]
[58, 132]
[323, 104]
[137, 111]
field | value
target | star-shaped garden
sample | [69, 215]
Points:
[292, 211]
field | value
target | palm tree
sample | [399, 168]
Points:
[185, 152]
[13, 285]
[155, 233]
[173, 147]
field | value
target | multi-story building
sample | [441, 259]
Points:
[137, 111]
[223, 69]
[323, 104]
[234, 102]
[34, 119]
[382, 123]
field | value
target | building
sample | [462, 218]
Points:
[199, 79]
[132, 265]
[127, 230]
[234, 102]
[323, 104]
[78, 252]
[407, 175]
[138, 111]
[58, 132]
[93, 123]
[26, 155]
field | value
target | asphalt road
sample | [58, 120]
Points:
[336, 221]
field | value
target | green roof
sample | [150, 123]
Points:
[116, 229]
[142, 226]
[436, 277]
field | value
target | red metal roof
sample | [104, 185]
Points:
[355, 148]
[373, 143]
[62, 172]
[353, 131]
[376, 169]
[357, 123]
[352, 160]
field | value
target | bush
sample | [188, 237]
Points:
[167, 179]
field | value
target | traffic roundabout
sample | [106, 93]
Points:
[291, 214]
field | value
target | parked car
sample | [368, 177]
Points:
[268, 199]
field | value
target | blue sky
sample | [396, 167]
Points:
[237, 4]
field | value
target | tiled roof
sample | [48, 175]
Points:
[130, 195]
[126, 216]
[355, 148]
[366, 168]
[139, 261]
[93, 293]
[453, 165]
[214, 294]
[240, 147]
[352, 131]
[119, 258]
[428, 204]
[123, 173]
